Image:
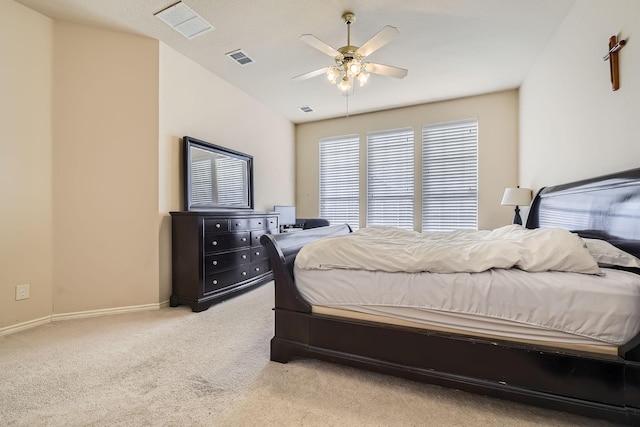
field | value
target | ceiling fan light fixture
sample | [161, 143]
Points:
[363, 78]
[348, 61]
[354, 67]
[345, 84]
[332, 74]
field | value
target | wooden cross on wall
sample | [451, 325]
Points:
[612, 56]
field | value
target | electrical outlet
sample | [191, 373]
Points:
[22, 292]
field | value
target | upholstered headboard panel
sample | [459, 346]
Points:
[607, 208]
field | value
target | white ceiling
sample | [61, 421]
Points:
[452, 48]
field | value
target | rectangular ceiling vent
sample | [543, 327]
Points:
[306, 109]
[184, 20]
[240, 57]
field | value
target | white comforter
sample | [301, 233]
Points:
[395, 250]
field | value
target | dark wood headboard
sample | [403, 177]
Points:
[606, 207]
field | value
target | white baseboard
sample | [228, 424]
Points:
[25, 325]
[80, 315]
[103, 312]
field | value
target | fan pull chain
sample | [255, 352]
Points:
[347, 101]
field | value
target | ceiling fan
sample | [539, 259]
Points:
[350, 64]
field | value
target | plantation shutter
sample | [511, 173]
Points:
[339, 180]
[390, 178]
[450, 176]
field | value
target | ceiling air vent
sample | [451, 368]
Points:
[306, 109]
[184, 20]
[240, 57]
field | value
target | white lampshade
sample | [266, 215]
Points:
[516, 197]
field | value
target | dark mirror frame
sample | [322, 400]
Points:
[190, 143]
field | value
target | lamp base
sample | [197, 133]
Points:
[516, 218]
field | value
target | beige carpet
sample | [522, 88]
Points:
[172, 367]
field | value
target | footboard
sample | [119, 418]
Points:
[292, 312]
[282, 250]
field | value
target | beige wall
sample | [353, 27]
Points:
[26, 238]
[573, 126]
[105, 169]
[90, 122]
[197, 103]
[497, 115]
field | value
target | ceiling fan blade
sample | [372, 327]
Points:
[386, 70]
[315, 42]
[311, 74]
[381, 38]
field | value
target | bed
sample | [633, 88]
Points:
[595, 379]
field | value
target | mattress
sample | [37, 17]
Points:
[554, 307]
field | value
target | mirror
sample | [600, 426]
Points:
[216, 177]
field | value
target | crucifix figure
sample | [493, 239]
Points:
[612, 56]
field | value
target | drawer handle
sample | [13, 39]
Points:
[217, 225]
[244, 273]
[215, 262]
[244, 257]
[257, 268]
[215, 282]
[259, 222]
[257, 253]
[244, 239]
[214, 243]
[237, 224]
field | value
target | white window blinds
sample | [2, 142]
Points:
[390, 178]
[339, 180]
[450, 176]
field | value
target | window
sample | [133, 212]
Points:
[390, 178]
[450, 176]
[339, 180]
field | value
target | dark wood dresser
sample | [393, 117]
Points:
[217, 255]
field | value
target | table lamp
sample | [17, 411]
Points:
[516, 197]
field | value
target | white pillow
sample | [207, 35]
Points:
[607, 255]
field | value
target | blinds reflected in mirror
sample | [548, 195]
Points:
[231, 176]
[201, 182]
[218, 179]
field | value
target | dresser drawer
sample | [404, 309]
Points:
[258, 254]
[259, 268]
[220, 280]
[224, 260]
[272, 223]
[223, 279]
[221, 242]
[249, 224]
[216, 225]
[255, 237]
